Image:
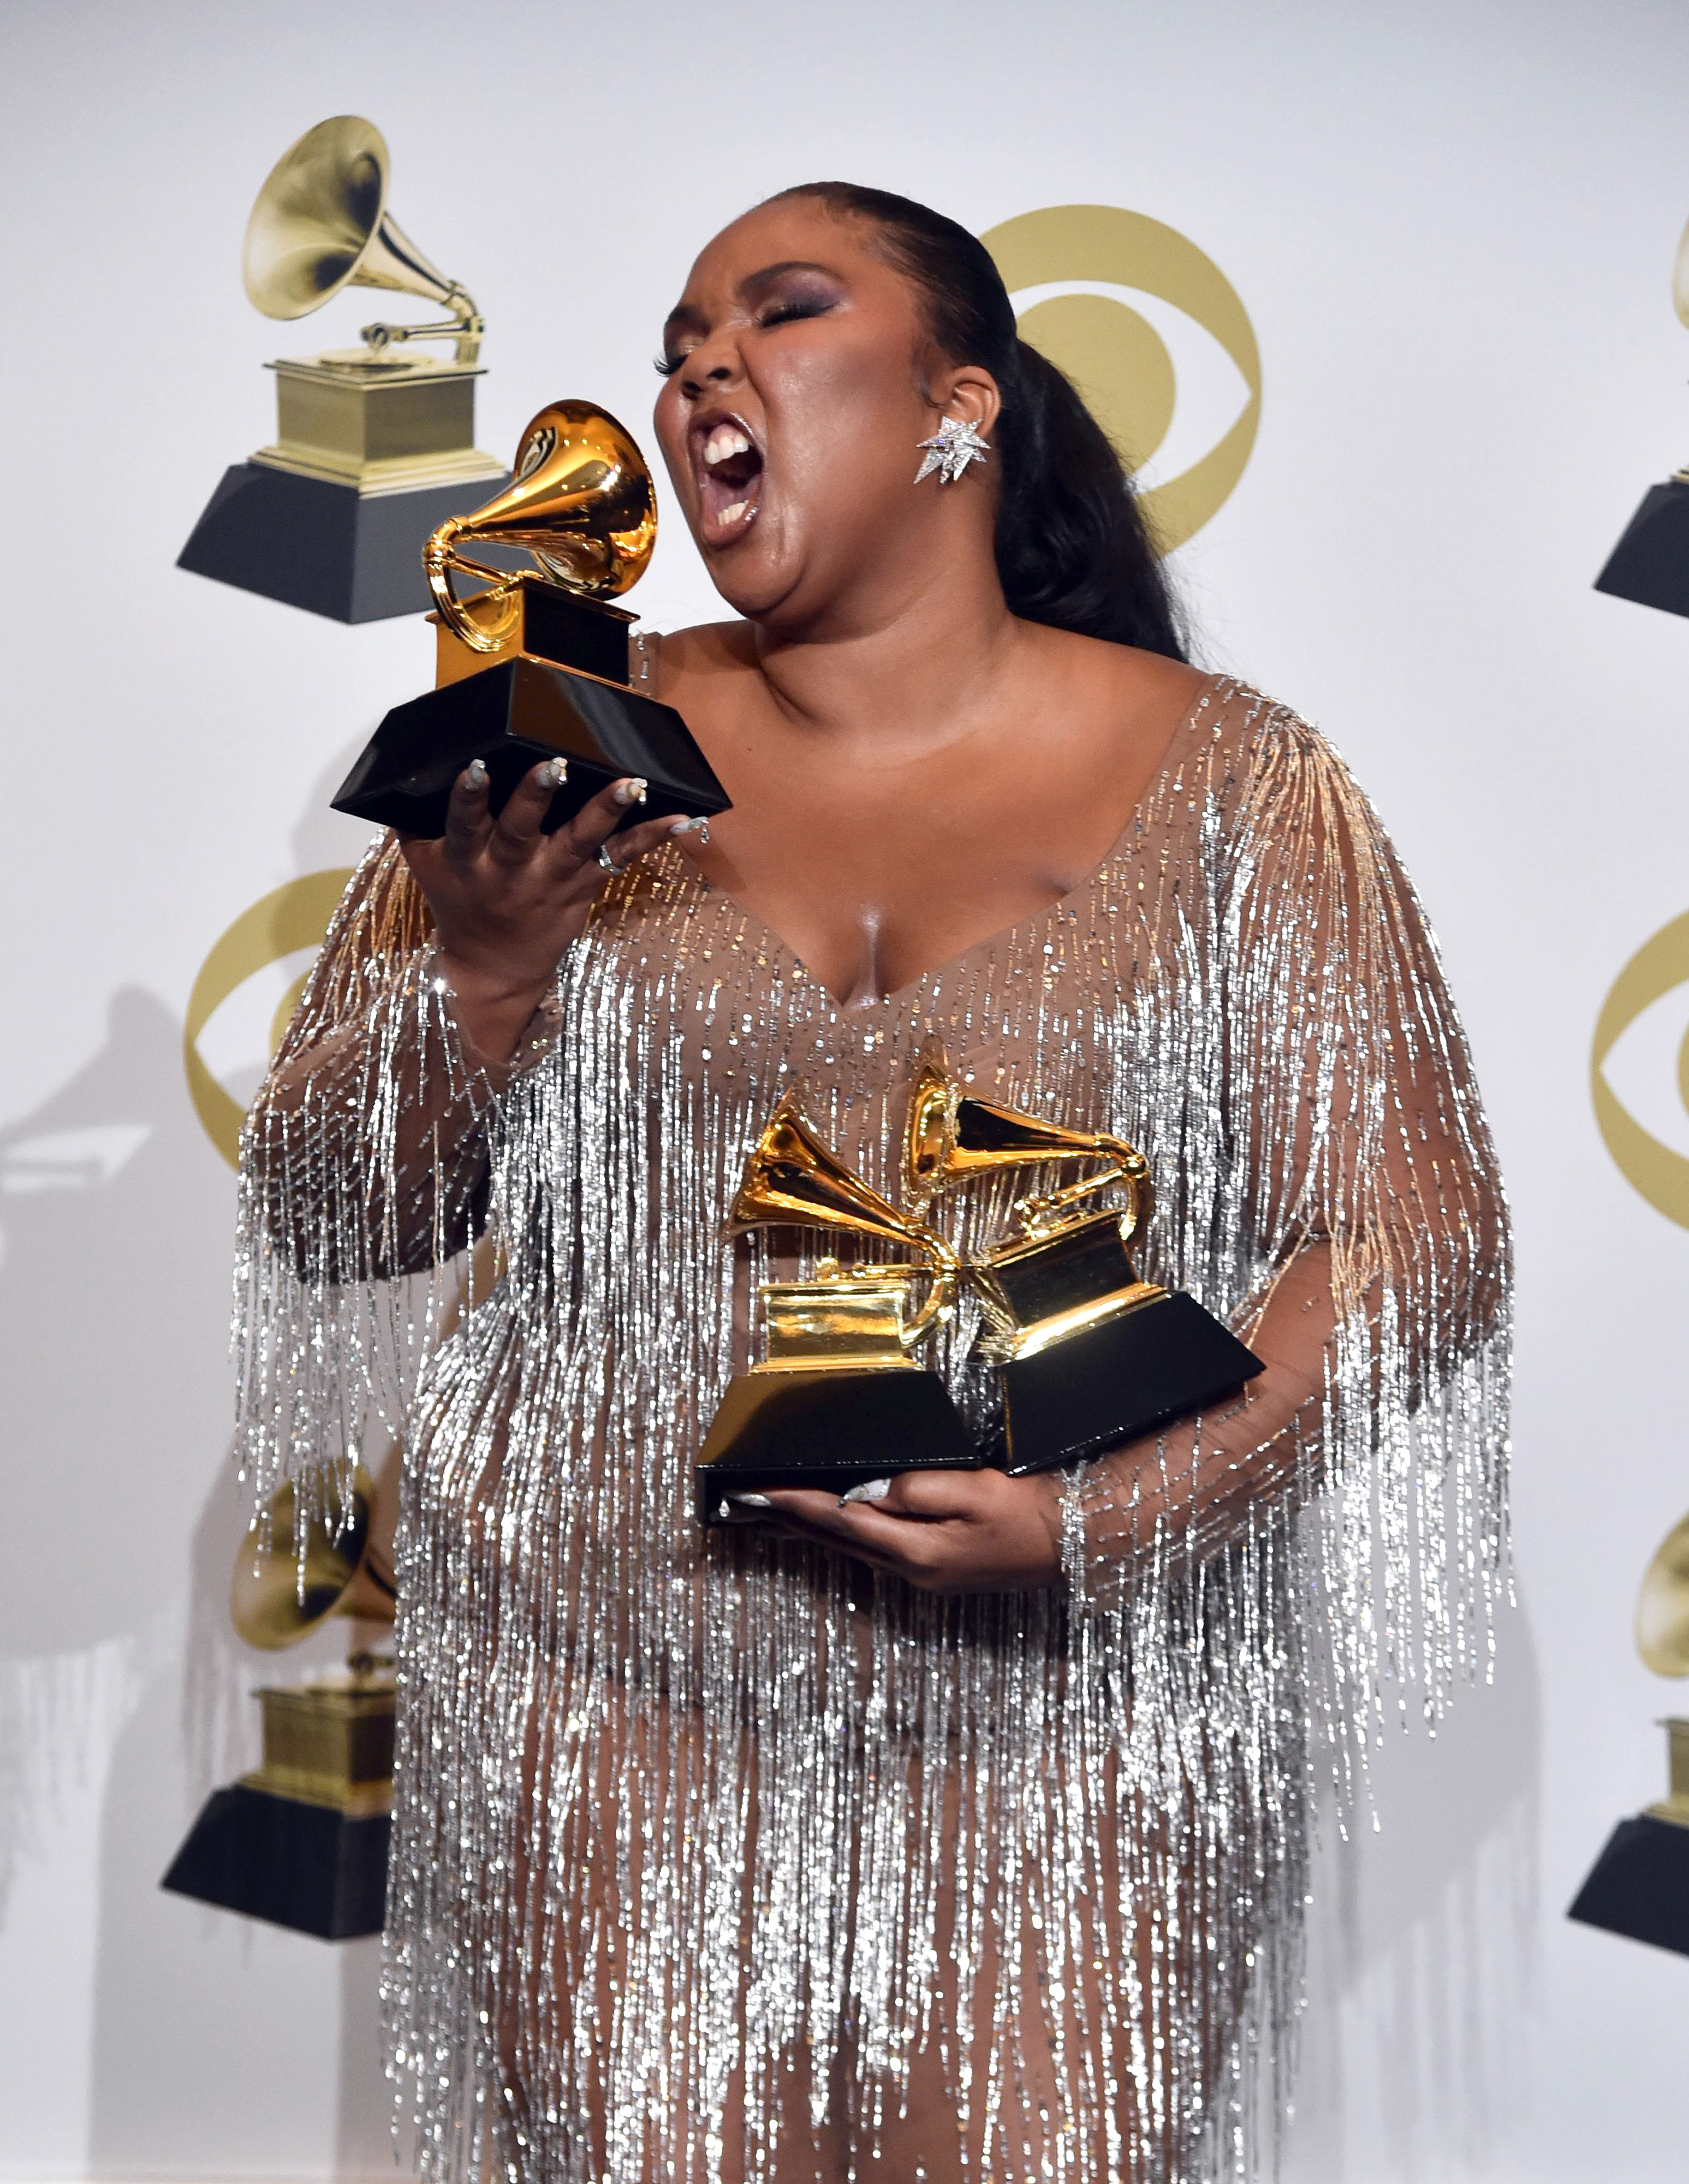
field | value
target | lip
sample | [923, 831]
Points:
[728, 504]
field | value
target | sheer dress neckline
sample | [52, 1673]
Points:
[1001, 935]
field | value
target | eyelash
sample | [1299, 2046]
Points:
[778, 315]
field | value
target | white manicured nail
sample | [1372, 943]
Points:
[871, 1489]
[751, 1501]
[685, 826]
[474, 774]
[553, 773]
[632, 792]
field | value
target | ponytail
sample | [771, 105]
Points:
[1072, 548]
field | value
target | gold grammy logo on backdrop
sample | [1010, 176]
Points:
[1062, 264]
[1657, 1170]
[290, 919]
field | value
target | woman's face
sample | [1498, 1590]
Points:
[799, 380]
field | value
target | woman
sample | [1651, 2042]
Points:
[958, 1829]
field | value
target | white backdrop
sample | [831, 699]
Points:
[1452, 226]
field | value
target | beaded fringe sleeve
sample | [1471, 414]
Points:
[706, 1846]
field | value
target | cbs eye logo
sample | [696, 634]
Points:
[244, 995]
[1157, 340]
[1639, 1071]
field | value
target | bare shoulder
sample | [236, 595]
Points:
[1118, 685]
[708, 652]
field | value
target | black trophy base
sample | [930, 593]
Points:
[324, 547]
[278, 1858]
[1650, 563]
[1639, 1885]
[828, 1429]
[511, 716]
[1118, 1380]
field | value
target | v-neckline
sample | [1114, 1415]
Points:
[845, 1010]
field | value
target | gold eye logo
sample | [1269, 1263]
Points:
[1642, 1049]
[289, 923]
[1062, 265]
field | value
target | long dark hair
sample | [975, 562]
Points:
[1072, 548]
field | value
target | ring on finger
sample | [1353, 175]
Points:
[606, 860]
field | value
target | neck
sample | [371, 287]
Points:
[900, 669]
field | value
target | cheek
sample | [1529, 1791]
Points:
[847, 428]
[670, 424]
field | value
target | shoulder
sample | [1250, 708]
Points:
[708, 651]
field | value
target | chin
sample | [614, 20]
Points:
[754, 577]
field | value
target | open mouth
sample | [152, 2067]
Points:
[728, 468]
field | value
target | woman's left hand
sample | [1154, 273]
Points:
[940, 1531]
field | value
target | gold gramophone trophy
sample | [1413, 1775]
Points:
[375, 446]
[1088, 1354]
[839, 1398]
[302, 1841]
[1650, 563]
[535, 665]
[1639, 1886]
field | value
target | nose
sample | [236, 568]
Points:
[713, 363]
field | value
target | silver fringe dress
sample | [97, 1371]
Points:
[700, 1839]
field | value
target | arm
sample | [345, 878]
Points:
[366, 1147]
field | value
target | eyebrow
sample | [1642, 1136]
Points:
[686, 318]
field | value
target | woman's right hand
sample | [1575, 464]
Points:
[508, 900]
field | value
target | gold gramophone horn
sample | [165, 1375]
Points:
[1662, 1607]
[953, 1135]
[792, 1178]
[320, 223]
[580, 500]
[277, 1596]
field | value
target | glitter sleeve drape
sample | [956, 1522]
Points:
[707, 1846]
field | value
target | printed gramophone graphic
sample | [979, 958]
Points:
[374, 447]
[535, 665]
[302, 1841]
[1650, 562]
[1639, 1886]
[1086, 1354]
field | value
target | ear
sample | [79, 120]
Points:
[968, 392]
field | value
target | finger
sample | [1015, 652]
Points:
[466, 813]
[599, 817]
[518, 826]
[913, 1552]
[935, 1495]
[637, 842]
[742, 1508]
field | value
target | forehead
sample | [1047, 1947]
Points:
[791, 228]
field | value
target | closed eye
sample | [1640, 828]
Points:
[796, 307]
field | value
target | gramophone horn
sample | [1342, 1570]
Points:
[953, 1135]
[792, 1178]
[320, 223]
[1662, 1607]
[276, 1596]
[580, 500]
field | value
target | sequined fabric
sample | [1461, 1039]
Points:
[702, 1839]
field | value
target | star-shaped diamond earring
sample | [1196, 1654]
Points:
[950, 450]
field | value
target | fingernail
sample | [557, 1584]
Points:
[690, 826]
[474, 774]
[632, 792]
[553, 773]
[750, 1501]
[871, 1489]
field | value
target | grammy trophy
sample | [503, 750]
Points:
[1088, 1354]
[839, 1398]
[535, 664]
